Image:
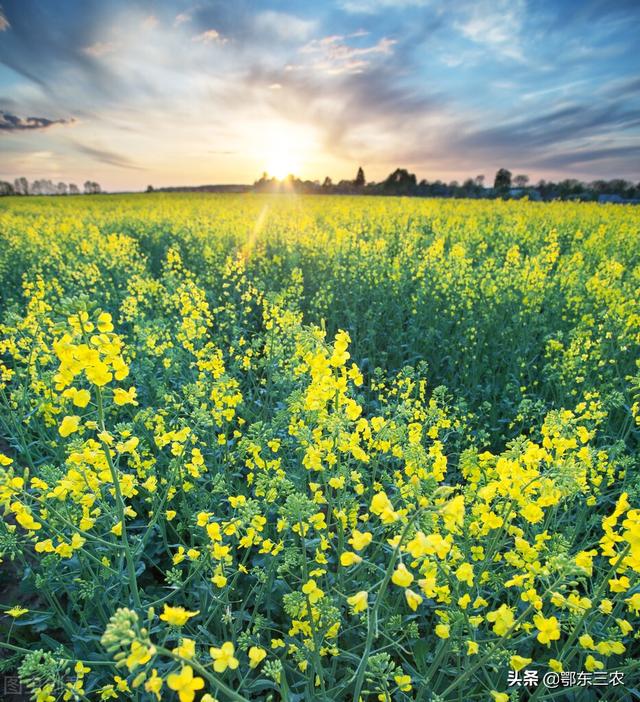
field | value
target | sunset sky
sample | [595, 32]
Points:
[172, 93]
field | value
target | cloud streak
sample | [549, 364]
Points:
[13, 123]
[109, 157]
[334, 55]
[100, 48]
[4, 22]
[210, 36]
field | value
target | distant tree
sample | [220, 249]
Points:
[520, 181]
[618, 185]
[400, 181]
[264, 182]
[438, 188]
[569, 188]
[62, 188]
[6, 188]
[479, 179]
[73, 189]
[600, 186]
[469, 187]
[345, 186]
[92, 188]
[43, 186]
[360, 181]
[149, 188]
[327, 183]
[502, 181]
[21, 186]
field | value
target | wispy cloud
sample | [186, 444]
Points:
[182, 18]
[369, 7]
[100, 48]
[150, 22]
[496, 24]
[13, 123]
[210, 36]
[334, 55]
[4, 22]
[283, 26]
[589, 157]
[562, 124]
[111, 158]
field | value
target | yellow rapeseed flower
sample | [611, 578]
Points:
[358, 602]
[224, 657]
[185, 684]
[176, 616]
[69, 425]
[256, 656]
[402, 576]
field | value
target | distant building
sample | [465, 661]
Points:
[618, 199]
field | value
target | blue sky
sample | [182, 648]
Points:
[201, 91]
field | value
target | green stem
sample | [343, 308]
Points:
[20, 649]
[372, 623]
[317, 663]
[18, 428]
[133, 582]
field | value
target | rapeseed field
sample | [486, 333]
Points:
[318, 448]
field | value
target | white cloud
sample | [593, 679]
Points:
[372, 7]
[497, 25]
[100, 48]
[4, 22]
[182, 18]
[333, 55]
[211, 36]
[150, 22]
[283, 26]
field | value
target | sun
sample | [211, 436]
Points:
[286, 150]
[283, 164]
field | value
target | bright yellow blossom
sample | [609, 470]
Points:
[223, 657]
[185, 684]
[256, 656]
[176, 616]
[358, 602]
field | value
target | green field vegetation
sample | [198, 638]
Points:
[261, 447]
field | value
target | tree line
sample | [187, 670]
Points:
[399, 182]
[43, 186]
[505, 185]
